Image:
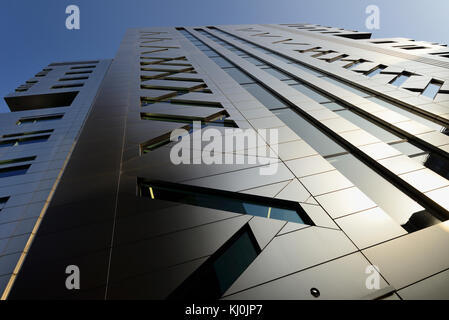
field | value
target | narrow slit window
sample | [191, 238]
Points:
[39, 119]
[10, 161]
[63, 86]
[23, 141]
[224, 200]
[26, 133]
[14, 171]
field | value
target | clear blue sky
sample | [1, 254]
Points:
[33, 32]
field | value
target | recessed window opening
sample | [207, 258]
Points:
[224, 200]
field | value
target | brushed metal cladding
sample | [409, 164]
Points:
[362, 153]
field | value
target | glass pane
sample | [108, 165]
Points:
[406, 113]
[347, 87]
[334, 106]
[399, 80]
[314, 137]
[13, 171]
[285, 214]
[392, 200]
[370, 127]
[222, 62]
[264, 96]
[431, 90]
[277, 74]
[374, 72]
[255, 61]
[311, 93]
[407, 148]
[287, 211]
[239, 76]
[231, 264]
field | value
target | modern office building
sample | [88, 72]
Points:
[355, 208]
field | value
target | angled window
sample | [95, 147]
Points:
[78, 72]
[3, 201]
[375, 71]
[224, 200]
[432, 89]
[219, 271]
[400, 79]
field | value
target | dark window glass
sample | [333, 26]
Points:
[313, 136]
[222, 62]
[264, 96]
[231, 264]
[278, 74]
[392, 200]
[239, 76]
[406, 113]
[3, 201]
[347, 87]
[229, 201]
[311, 93]
[13, 171]
[368, 126]
[216, 275]
[40, 119]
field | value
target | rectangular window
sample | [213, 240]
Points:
[26, 133]
[277, 74]
[74, 62]
[311, 93]
[9, 161]
[14, 171]
[40, 119]
[74, 78]
[23, 141]
[62, 86]
[217, 119]
[222, 62]
[82, 67]
[399, 80]
[432, 89]
[322, 143]
[239, 76]
[78, 72]
[264, 96]
[224, 200]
